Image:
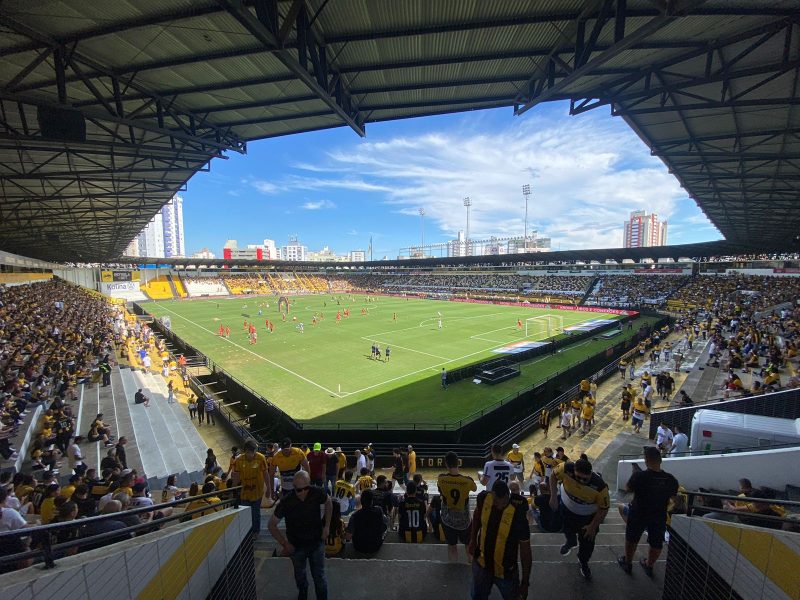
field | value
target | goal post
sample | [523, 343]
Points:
[544, 325]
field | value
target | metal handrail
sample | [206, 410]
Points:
[727, 451]
[691, 508]
[46, 551]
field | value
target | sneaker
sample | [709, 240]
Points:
[647, 568]
[586, 571]
[566, 549]
[625, 565]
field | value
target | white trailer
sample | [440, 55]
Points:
[715, 431]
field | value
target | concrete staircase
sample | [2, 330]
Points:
[109, 400]
[167, 441]
[401, 571]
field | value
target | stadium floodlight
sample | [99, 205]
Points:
[422, 230]
[467, 204]
[526, 191]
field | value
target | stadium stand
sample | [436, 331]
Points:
[205, 286]
[635, 290]
[178, 288]
[158, 288]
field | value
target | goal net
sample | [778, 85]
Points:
[544, 326]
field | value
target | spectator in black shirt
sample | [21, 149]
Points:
[367, 526]
[652, 490]
[306, 532]
[120, 452]
[398, 468]
[93, 528]
[331, 469]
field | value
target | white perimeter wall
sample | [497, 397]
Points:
[771, 468]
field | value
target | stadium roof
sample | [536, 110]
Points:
[107, 109]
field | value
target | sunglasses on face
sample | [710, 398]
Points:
[299, 490]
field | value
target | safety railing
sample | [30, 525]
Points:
[47, 550]
[747, 517]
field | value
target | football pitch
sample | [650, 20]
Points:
[326, 373]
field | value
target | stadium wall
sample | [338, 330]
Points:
[208, 558]
[714, 559]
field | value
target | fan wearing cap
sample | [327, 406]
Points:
[331, 469]
[287, 462]
[317, 462]
[517, 461]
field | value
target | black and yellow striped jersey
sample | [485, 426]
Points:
[500, 533]
[412, 525]
[578, 497]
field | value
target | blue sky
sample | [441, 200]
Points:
[332, 188]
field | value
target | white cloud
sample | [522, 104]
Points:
[586, 174]
[265, 187]
[318, 205]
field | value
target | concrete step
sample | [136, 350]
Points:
[436, 579]
[124, 426]
[185, 438]
[158, 420]
[149, 445]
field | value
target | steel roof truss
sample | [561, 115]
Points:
[325, 83]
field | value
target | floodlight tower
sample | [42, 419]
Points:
[467, 204]
[526, 191]
[422, 230]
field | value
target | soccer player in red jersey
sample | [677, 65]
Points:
[221, 331]
[519, 323]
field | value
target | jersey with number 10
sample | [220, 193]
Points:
[412, 524]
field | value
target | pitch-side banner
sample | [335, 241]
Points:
[114, 276]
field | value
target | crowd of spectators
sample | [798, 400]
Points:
[635, 290]
[752, 292]
[53, 337]
[561, 285]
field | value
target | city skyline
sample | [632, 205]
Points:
[586, 174]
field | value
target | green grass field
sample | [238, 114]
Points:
[327, 375]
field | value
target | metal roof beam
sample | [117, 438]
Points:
[37, 144]
[728, 135]
[199, 9]
[604, 97]
[617, 90]
[199, 89]
[141, 124]
[763, 102]
[221, 139]
[336, 97]
[542, 85]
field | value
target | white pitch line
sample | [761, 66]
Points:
[491, 331]
[377, 341]
[314, 383]
[436, 366]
